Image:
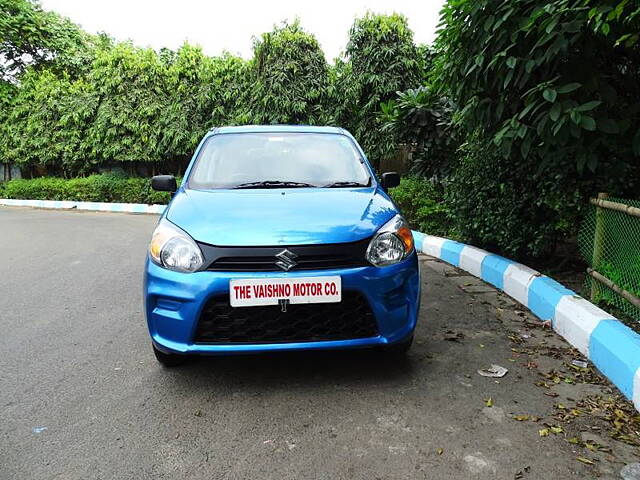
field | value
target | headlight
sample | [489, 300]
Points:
[173, 249]
[391, 244]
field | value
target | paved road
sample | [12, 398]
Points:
[81, 396]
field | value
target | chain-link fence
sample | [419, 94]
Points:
[610, 243]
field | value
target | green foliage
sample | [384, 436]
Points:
[608, 242]
[620, 275]
[548, 97]
[95, 188]
[382, 60]
[422, 118]
[31, 36]
[498, 204]
[202, 92]
[47, 124]
[88, 102]
[422, 204]
[551, 82]
[291, 77]
[131, 84]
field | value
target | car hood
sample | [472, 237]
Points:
[290, 216]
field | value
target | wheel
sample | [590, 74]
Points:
[401, 348]
[169, 360]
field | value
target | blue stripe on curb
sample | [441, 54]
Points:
[450, 252]
[544, 295]
[615, 349]
[493, 268]
[418, 238]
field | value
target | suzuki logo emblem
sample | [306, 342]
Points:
[286, 260]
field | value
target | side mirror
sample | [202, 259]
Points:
[390, 179]
[164, 183]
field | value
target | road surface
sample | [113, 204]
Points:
[82, 397]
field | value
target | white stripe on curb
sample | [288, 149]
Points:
[89, 206]
[517, 279]
[636, 390]
[432, 245]
[471, 259]
[575, 319]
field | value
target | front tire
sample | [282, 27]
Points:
[169, 360]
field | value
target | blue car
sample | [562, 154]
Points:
[280, 238]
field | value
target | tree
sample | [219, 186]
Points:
[132, 87]
[291, 76]
[422, 118]
[549, 96]
[552, 81]
[202, 93]
[383, 60]
[31, 36]
[48, 123]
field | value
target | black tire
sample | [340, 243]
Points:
[169, 360]
[401, 348]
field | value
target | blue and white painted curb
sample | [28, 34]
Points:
[90, 206]
[610, 345]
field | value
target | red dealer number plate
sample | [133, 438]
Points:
[249, 292]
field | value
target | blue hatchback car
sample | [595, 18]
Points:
[279, 238]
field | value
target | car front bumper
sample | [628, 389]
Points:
[174, 302]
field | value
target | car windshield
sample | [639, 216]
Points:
[278, 160]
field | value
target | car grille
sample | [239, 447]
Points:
[263, 259]
[351, 318]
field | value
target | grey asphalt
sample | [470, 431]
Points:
[82, 397]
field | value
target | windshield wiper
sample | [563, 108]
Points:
[345, 184]
[273, 184]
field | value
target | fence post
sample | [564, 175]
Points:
[598, 241]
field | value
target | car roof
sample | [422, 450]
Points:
[277, 128]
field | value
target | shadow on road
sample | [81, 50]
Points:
[286, 369]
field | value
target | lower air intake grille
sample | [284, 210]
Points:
[349, 319]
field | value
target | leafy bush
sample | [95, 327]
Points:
[47, 125]
[423, 206]
[497, 204]
[422, 118]
[556, 81]
[203, 92]
[96, 188]
[548, 101]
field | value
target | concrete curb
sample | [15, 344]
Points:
[89, 206]
[612, 346]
